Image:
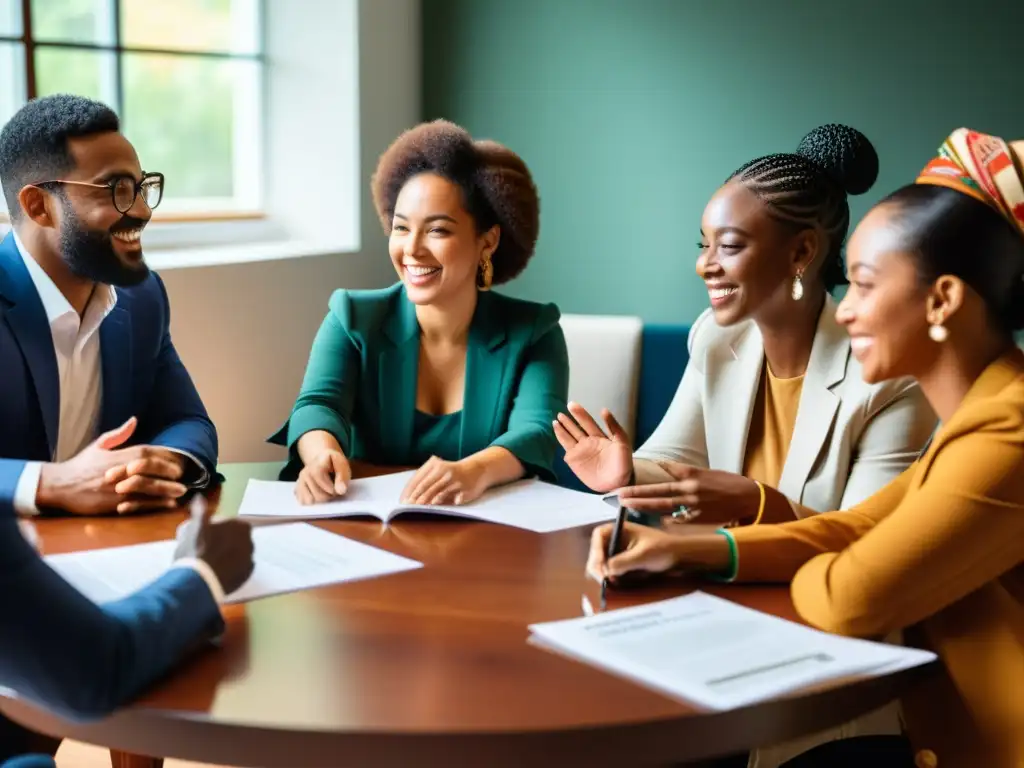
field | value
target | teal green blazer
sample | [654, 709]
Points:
[360, 383]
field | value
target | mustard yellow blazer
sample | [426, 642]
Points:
[939, 552]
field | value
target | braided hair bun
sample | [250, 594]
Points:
[809, 187]
[844, 154]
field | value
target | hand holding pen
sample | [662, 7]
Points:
[613, 549]
[621, 549]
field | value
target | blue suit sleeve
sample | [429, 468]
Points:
[176, 417]
[10, 473]
[30, 761]
[541, 395]
[81, 660]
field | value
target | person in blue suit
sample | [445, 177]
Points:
[97, 412]
[84, 340]
[82, 660]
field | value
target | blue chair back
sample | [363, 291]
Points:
[662, 363]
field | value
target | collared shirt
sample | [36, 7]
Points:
[76, 345]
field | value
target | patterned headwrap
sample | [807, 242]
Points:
[983, 167]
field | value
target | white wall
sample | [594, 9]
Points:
[244, 330]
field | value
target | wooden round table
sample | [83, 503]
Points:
[428, 667]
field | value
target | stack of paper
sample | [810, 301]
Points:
[717, 654]
[288, 558]
[530, 504]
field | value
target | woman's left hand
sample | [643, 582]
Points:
[445, 482]
[717, 496]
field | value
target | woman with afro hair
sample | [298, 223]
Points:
[437, 371]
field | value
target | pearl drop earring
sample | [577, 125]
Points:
[798, 288]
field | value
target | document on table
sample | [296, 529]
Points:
[717, 654]
[530, 504]
[289, 558]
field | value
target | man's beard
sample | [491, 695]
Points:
[90, 254]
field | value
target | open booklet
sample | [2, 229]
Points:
[717, 654]
[529, 504]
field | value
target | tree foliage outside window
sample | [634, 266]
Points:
[184, 75]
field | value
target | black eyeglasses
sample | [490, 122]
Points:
[124, 190]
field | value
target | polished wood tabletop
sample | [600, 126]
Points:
[428, 667]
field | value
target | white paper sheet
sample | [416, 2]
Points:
[530, 504]
[718, 654]
[288, 558]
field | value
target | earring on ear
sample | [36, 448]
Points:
[798, 287]
[937, 332]
[485, 275]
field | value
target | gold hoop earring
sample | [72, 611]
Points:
[798, 287]
[485, 274]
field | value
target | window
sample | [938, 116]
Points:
[184, 75]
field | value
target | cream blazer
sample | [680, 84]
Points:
[850, 437]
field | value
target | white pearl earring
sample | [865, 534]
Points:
[938, 333]
[798, 288]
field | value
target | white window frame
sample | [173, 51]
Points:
[177, 221]
[341, 80]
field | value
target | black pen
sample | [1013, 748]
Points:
[613, 548]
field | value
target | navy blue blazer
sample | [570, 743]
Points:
[57, 647]
[142, 375]
[81, 660]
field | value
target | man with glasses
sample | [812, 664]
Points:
[86, 351]
[97, 415]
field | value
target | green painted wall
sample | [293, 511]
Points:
[631, 112]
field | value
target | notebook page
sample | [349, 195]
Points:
[288, 558]
[718, 654]
[375, 496]
[536, 506]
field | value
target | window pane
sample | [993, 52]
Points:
[12, 79]
[10, 20]
[84, 73]
[191, 25]
[79, 21]
[12, 88]
[196, 120]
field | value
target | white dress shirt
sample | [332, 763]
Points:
[76, 344]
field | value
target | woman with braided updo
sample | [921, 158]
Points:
[772, 420]
[437, 371]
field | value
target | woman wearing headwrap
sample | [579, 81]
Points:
[937, 293]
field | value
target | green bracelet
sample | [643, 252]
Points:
[734, 560]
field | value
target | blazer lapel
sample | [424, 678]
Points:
[396, 384]
[738, 372]
[116, 364]
[31, 329]
[818, 403]
[486, 359]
